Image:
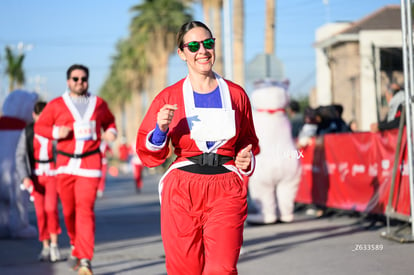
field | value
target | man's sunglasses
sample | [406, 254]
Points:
[84, 79]
[194, 46]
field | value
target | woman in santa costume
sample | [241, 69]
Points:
[76, 120]
[208, 120]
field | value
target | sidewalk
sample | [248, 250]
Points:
[128, 241]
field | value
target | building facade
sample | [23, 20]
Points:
[355, 63]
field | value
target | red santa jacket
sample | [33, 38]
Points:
[181, 93]
[43, 155]
[62, 112]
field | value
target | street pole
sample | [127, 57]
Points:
[407, 37]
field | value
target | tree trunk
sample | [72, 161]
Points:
[270, 27]
[133, 115]
[11, 84]
[158, 57]
[238, 50]
[160, 75]
[216, 29]
[206, 11]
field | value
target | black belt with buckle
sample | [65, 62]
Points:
[77, 156]
[210, 159]
[44, 160]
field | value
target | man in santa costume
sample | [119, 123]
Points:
[77, 120]
[16, 113]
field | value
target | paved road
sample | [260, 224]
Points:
[128, 242]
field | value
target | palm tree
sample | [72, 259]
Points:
[156, 23]
[215, 7]
[270, 27]
[124, 83]
[140, 67]
[14, 69]
[206, 4]
[238, 49]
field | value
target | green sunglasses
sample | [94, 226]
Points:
[194, 46]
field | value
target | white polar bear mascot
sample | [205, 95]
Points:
[16, 114]
[274, 183]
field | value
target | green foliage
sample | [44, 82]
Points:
[14, 68]
[152, 34]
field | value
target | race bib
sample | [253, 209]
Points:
[212, 124]
[85, 130]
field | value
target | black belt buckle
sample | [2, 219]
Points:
[210, 159]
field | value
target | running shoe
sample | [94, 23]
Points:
[44, 255]
[54, 253]
[85, 267]
[73, 261]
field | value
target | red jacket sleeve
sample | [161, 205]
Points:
[108, 121]
[151, 156]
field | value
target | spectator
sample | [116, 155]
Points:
[296, 118]
[353, 125]
[330, 120]
[309, 129]
[395, 98]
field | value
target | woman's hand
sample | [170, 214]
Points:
[165, 116]
[243, 158]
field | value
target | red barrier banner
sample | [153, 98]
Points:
[353, 171]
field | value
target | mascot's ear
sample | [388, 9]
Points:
[286, 83]
[19, 104]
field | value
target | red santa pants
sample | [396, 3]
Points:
[202, 219]
[46, 206]
[78, 195]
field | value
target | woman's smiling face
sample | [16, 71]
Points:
[201, 61]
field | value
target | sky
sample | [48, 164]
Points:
[57, 34]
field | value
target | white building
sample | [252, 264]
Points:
[356, 61]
